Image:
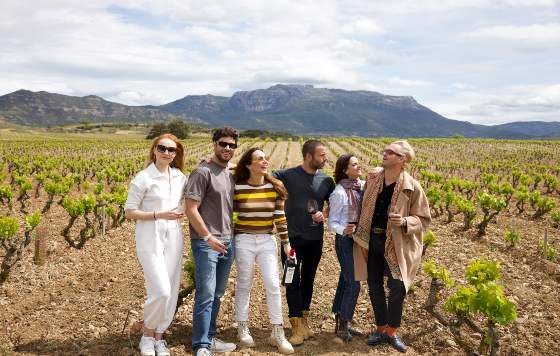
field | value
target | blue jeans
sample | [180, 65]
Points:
[211, 278]
[348, 288]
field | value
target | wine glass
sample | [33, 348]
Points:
[312, 208]
[180, 208]
[353, 218]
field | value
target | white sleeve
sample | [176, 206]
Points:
[337, 223]
[136, 192]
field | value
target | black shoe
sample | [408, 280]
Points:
[397, 343]
[376, 338]
[354, 332]
[343, 331]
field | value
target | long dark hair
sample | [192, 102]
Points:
[242, 173]
[341, 165]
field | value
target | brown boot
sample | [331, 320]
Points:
[297, 331]
[307, 332]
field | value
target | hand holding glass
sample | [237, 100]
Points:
[312, 208]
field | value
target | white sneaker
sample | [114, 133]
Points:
[278, 339]
[161, 348]
[203, 352]
[147, 345]
[244, 335]
[218, 345]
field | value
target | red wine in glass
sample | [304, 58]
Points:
[312, 208]
[353, 219]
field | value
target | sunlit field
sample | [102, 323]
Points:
[491, 276]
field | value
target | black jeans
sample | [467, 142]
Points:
[387, 311]
[300, 291]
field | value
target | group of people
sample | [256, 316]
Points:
[378, 224]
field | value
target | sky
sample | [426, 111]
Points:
[483, 61]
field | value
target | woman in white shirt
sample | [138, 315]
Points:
[154, 201]
[344, 211]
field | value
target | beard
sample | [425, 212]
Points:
[317, 164]
[221, 159]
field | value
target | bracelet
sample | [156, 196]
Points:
[284, 242]
[155, 215]
[205, 238]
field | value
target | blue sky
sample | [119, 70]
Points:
[481, 61]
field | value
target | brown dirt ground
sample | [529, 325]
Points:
[294, 154]
[77, 304]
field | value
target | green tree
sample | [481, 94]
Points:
[157, 130]
[177, 127]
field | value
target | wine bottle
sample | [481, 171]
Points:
[289, 268]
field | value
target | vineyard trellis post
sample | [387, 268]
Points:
[40, 256]
[545, 244]
[103, 214]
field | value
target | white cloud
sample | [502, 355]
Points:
[152, 52]
[362, 26]
[462, 86]
[408, 82]
[515, 103]
[535, 35]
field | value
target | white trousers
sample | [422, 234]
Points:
[262, 249]
[162, 276]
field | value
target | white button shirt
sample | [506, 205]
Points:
[150, 190]
[338, 208]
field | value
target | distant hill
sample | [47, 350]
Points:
[542, 129]
[303, 109]
[25, 107]
[297, 109]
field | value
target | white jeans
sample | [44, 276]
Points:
[262, 249]
[162, 275]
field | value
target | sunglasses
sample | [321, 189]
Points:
[391, 152]
[162, 149]
[223, 144]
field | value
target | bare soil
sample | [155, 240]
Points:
[84, 302]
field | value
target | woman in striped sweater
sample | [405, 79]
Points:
[259, 203]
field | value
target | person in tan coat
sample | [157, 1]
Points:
[388, 240]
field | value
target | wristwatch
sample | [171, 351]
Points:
[205, 238]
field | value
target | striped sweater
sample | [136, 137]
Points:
[259, 209]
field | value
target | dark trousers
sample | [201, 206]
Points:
[348, 288]
[300, 291]
[387, 311]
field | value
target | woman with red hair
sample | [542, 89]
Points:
[154, 201]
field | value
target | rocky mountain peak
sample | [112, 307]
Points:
[261, 100]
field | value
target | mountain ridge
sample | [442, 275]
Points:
[298, 109]
[42, 108]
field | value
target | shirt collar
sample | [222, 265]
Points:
[155, 173]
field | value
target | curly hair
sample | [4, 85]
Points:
[225, 131]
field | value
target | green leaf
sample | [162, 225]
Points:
[8, 227]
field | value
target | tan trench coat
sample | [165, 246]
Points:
[412, 204]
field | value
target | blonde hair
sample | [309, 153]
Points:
[406, 149]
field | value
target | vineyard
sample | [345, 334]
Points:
[70, 282]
